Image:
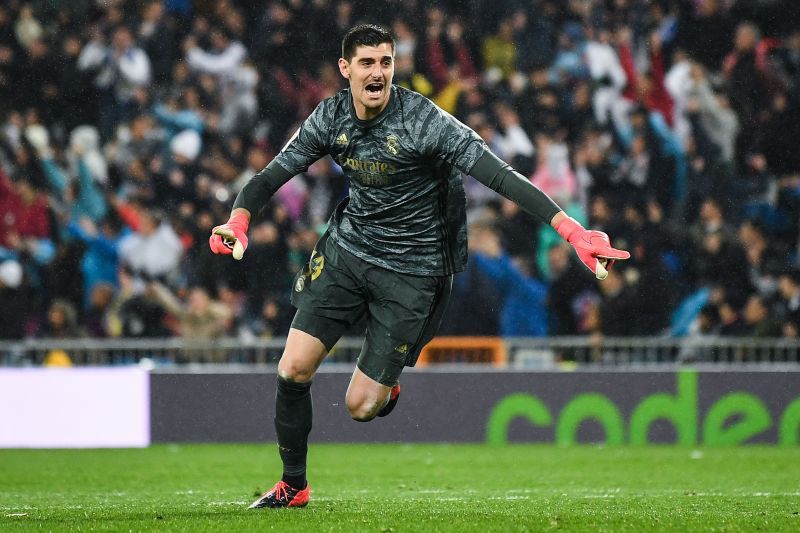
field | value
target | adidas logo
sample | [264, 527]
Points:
[342, 139]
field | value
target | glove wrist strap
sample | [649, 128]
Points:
[239, 221]
[567, 227]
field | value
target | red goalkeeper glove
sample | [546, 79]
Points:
[593, 247]
[231, 237]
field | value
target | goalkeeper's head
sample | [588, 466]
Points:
[367, 62]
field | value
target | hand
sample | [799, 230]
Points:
[231, 237]
[88, 226]
[189, 43]
[624, 36]
[692, 105]
[696, 72]
[454, 32]
[434, 31]
[655, 42]
[593, 247]
[14, 240]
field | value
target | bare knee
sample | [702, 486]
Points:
[301, 357]
[363, 412]
[296, 371]
[364, 408]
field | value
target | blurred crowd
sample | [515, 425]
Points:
[128, 127]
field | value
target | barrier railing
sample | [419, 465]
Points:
[492, 350]
[544, 353]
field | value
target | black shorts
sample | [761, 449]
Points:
[404, 311]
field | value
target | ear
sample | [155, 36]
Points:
[344, 68]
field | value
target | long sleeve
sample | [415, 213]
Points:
[90, 199]
[502, 273]
[465, 62]
[168, 300]
[436, 63]
[128, 215]
[257, 192]
[659, 98]
[307, 145]
[55, 176]
[629, 67]
[181, 120]
[500, 177]
[222, 63]
[134, 65]
[524, 310]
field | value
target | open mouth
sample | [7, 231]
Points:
[374, 89]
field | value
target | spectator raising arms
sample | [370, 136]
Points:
[127, 129]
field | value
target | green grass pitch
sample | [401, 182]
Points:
[406, 488]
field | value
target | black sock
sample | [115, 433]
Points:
[293, 417]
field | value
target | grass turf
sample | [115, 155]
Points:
[406, 488]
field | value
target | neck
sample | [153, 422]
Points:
[368, 113]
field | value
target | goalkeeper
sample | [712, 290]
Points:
[391, 247]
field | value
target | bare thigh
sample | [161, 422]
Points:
[301, 357]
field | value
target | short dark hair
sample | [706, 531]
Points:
[365, 35]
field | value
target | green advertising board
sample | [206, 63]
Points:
[733, 419]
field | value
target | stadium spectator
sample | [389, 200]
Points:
[199, 317]
[101, 257]
[692, 105]
[122, 73]
[154, 249]
[443, 39]
[61, 322]
[406, 75]
[706, 33]
[516, 144]
[272, 321]
[710, 114]
[789, 289]
[27, 28]
[757, 320]
[765, 259]
[533, 33]
[787, 59]
[607, 75]
[616, 299]
[711, 221]
[26, 223]
[95, 316]
[568, 293]
[224, 60]
[523, 313]
[133, 313]
[553, 173]
[157, 35]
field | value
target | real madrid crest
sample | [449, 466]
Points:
[392, 144]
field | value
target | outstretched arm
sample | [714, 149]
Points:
[306, 146]
[593, 247]
[231, 238]
[502, 178]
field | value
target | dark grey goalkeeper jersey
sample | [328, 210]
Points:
[406, 209]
